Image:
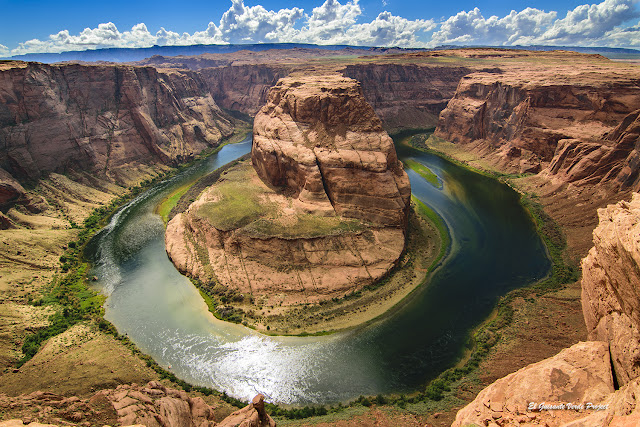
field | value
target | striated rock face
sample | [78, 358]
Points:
[321, 212]
[578, 374]
[407, 95]
[150, 405]
[529, 118]
[102, 118]
[612, 160]
[242, 87]
[319, 138]
[611, 286]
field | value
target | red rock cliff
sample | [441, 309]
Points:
[529, 118]
[102, 118]
[611, 286]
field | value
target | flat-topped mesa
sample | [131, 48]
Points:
[319, 138]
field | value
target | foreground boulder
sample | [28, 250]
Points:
[320, 212]
[576, 375]
[611, 285]
[150, 405]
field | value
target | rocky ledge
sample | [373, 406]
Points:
[151, 405]
[319, 213]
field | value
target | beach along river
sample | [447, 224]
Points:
[494, 249]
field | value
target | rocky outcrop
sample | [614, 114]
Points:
[150, 405]
[613, 161]
[527, 119]
[577, 375]
[320, 213]
[407, 95]
[610, 286]
[105, 119]
[319, 138]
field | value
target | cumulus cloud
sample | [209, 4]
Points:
[105, 35]
[606, 24]
[584, 25]
[330, 23]
[333, 23]
[472, 27]
[243, 24]
[590, 22]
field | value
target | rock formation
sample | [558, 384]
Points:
[576, 375]
[611, 286]
[528, 118]
[105, 119]
[613, 160]
[150, 405]
[319, 138]
[407, 95]
[325, 203]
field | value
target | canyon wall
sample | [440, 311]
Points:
[243, 87]
[407, 95]
[102, 118]
[611, 286]
[530, 119]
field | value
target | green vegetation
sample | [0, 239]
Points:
[554, 241]
[242, 204]
[239, 202]
[424, 172]
[306, 226]
[168, 204]
[438, 222]
[164, 208]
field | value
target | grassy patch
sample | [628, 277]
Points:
[164, 208]
[306, 226]
[424, 172]
[239, 203]
[438, 222]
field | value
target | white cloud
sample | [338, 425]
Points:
[588, 23]
[105, 35]
[585, 25]
[243, 24]
[606, 24]
[473, 28]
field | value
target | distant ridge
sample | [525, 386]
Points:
[138, 54]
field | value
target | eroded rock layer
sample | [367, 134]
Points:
[150, 405]
[611, 286]
[319, 138]
[320, 212]
[531, 119]
[55, 118]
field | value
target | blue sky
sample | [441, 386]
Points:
[45, 26]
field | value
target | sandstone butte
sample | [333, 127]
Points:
[321, 210]
[604, 371]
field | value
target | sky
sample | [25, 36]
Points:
[36, 26]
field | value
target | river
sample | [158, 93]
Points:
[494, 249]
